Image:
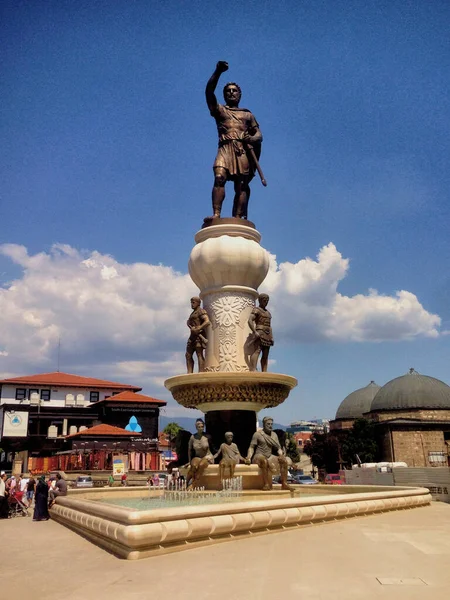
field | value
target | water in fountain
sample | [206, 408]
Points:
[175, 494]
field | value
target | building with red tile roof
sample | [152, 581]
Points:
[67, 380]
[132, 397]
[45, 415]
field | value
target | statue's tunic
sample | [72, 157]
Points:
[232, 124]
[263, 320]
[265, 444]
[196, 340]
[230, 452]
[199, 448]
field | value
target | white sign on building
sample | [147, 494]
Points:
[15, 423]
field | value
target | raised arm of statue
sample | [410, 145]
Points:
[211, 99]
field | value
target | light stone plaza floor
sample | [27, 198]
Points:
[396, 555]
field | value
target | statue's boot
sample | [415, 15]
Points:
[217, 208]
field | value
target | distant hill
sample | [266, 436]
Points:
[188, 423]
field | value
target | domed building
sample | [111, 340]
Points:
[354, 406]
[412, 414]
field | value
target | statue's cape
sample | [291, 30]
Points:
[270, 440]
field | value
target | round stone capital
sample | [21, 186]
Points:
[228, 255]
[230, 391]
[231, 229]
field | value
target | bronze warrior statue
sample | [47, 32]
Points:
[239, 145]
[198, 321]
[260, 323]
[265, 450]
[230, 456]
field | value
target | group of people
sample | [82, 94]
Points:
[24, 489]
[19, 488]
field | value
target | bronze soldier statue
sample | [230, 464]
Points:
[239, 145]
[260, 323]
[198, 321]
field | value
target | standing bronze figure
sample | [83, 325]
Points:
[198, 322]
[260, 323]
[239, 145]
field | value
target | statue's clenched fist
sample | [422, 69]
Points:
[222, 66]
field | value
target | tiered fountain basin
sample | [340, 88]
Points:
[230, 390]
[132, 534]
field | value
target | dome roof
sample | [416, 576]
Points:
[358, 402]
[412, 390]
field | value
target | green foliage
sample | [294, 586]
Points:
[361, 441]
[323, 450]
[171, 429]
[292, 449]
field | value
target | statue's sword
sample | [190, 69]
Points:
[256, 163]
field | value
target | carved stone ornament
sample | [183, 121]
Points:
[268, 394]
[228, 321]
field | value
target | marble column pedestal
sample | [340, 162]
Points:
[228, 265]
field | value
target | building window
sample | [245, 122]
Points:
[437, 458]
[45, 394]
[94, 396]
[115, 393]
[32, 391]
[21, 393]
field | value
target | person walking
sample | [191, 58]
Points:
[41, 501]
[31, 486]
[3, 498]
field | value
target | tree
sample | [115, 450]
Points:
[291, 448]
[360, 440]
[171, 429]
[323, 450]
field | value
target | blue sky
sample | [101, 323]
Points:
[107, 148]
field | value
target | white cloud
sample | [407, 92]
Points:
[307, 306]
[105, 313]
[127, 321]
